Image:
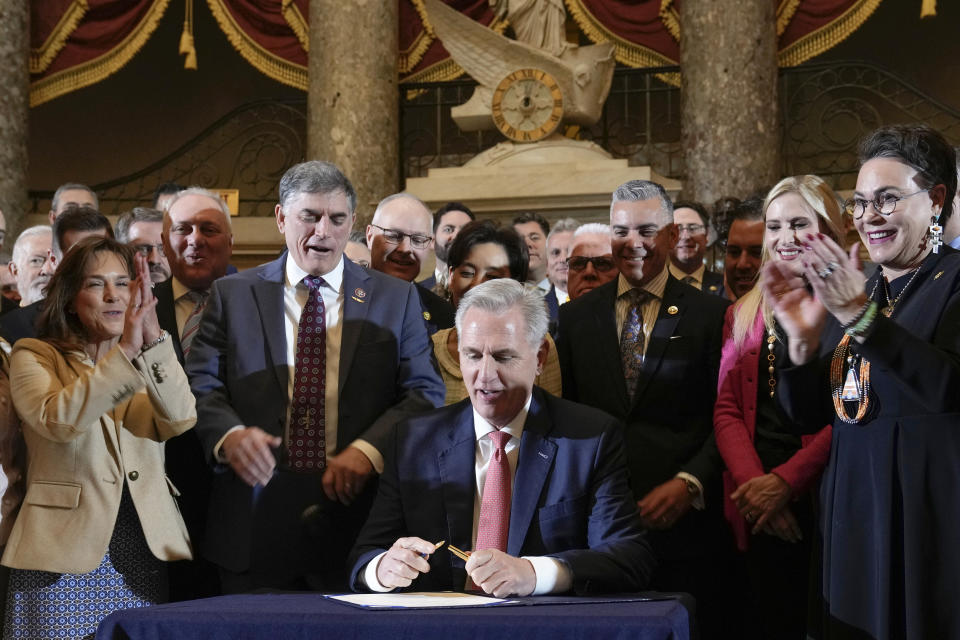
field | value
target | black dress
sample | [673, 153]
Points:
[890, 494]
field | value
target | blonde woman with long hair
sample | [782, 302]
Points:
[770, 469]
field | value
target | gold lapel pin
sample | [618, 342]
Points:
[672, 310]
[359, 295]
[938, 275]
[426, 316]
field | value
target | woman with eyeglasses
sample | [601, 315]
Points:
[483, 251]
[879, 357]
[770, 468]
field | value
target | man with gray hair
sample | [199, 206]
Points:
[536, 486]
[142, 229]
[558, 250]
[301, 367]
[72, 193]
[645, 348]
[400, 244]
[591, 259]
[74, 224]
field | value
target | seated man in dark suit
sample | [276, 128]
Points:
[536, 485]
[400, 242]
[301, 367]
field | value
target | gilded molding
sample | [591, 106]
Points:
[93, 71]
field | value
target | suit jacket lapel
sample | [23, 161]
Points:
[357, 293]
[663, 329]
[268, 295]
[608, 343]
[456, 459]
[533, 468]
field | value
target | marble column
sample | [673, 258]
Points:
[14, 112]
[352, 101]
[731, 135]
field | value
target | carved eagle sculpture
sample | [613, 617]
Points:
[583, 74]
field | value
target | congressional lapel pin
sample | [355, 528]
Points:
[359, 295]
[672, 310]
[938, 275]
[713, 287]
[426, 316]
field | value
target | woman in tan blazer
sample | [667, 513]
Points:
[97, 396]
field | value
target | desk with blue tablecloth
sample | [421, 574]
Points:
[295, 616]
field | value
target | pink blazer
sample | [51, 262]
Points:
[735, 419]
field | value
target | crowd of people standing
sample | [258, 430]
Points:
[587, 407]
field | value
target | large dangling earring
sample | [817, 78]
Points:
[935, 233]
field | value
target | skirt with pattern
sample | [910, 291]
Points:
[41, 604]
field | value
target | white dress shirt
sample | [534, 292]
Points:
[553, 575]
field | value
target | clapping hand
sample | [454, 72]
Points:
[835, 276]
[140, 326]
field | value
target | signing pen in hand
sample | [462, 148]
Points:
[435, 547]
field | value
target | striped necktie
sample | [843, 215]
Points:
[190, 327]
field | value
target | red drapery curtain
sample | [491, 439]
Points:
[76, 43]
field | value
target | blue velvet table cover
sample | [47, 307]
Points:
[297, 616]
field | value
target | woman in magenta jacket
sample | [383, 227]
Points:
[770, 469]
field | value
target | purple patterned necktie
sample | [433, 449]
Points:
[307, 444]
[632, 340]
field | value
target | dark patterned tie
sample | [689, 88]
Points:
[190, 327]
[632, 340]
[307, 445]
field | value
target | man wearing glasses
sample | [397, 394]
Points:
[400, 243]
[142, 229]
[591, 259]
[694, 234]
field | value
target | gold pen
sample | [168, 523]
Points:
[463, 555]
[436, 546]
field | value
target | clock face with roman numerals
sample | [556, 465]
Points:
[527, 105]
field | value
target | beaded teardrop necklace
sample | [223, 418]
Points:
[842, 354]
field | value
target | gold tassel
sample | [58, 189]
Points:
[186, 39]
[928, 8]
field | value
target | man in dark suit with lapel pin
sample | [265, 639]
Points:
[197, 243]
[694, 233]
[400, 242]
[536, 486]
[300, 369]
[645, 347]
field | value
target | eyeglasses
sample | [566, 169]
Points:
[393, 236]
[147, 249]
[883, 203]
[692, 228]
[600, 263]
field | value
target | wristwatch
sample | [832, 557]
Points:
[692, 488]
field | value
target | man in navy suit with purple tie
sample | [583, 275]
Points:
[301, 367]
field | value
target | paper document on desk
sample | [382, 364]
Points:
[415, 600]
